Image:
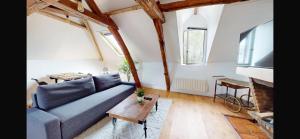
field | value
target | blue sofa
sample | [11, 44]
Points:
[64, 110]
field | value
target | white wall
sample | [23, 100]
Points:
[55, 47]
[181, 17]
[236, 18]
[139, 34]
[111, 59]
[205, 72]
[212, 14]
[224, 26]
[40, 69]
[170, 30]
[138, 31]
[51, 39]
[141, 40]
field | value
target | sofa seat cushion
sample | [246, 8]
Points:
[79, 115]
[53, 95]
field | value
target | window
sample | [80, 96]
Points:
[246, 49]
[111, 41]
[194, 46]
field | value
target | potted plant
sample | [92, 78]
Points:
[140, 95]
[125, 68]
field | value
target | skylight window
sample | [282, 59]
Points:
[112, 42]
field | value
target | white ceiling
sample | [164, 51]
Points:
[109, 5]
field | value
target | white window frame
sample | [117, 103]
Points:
[204, 45]
[248, 51]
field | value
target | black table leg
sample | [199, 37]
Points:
[215, 91]
[145, 128]
[156, 105]
[235, 90]
[55, 80]
[249, 97]
[226, 93]
[114, 120]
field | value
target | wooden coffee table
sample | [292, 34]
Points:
[130, 110]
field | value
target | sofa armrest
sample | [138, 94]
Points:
[129, 83]
[42, 125]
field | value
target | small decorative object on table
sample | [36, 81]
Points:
[140, 95]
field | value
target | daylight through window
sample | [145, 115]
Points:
[246, 49]
[111, 41]
[194, 45]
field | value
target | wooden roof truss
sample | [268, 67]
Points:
[63, 9]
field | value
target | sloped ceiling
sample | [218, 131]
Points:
[225, 22]
[138, 32]
[237, 18]
[109, 5]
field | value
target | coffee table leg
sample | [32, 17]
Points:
[114, 120]
[145, 128]
[156, 105]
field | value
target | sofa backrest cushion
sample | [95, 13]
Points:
[104, 82]
[53, 95]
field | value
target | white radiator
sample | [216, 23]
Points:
[190, 84]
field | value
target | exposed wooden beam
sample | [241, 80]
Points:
[121, 43]
[178, 5]
[92, 4]
[160, 35]
[58, 11]
[35, 6]
[123, 10]
[65, 20]
[30, 2]
[152, 9]
[71, 7]
[92, 37]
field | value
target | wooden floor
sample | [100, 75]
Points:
[195, 117]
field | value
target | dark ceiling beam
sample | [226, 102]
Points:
[120, 41]
[35, 6]
[71, 7]
[178, 5]
[160, 35]
[152, 9]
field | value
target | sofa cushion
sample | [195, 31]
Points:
[53, 95]
[89, 109]
[103, 82]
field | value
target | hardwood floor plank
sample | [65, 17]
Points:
[196, 117]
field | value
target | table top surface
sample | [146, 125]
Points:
[130, 110]
[68, 76]
[235, 82]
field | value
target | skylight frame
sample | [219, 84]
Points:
[104, 35]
